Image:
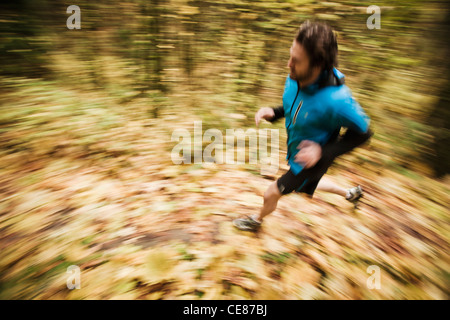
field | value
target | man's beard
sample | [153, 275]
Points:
[302, 77]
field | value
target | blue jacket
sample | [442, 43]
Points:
[317, 112]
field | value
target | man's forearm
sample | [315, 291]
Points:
[348, 142]
[279, 113]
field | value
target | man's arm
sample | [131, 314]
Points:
[269, 114]
[279, 113]
[350, 140]
[311, 152]
[350, 115]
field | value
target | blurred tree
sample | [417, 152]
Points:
[439, 118]
[152, 56]
[22, 53]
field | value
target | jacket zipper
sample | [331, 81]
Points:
[287, 128]
[293, 102]
[296, 112]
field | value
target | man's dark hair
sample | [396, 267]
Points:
[319, 42]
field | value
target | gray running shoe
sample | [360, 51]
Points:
[354, 194]
[247, 224]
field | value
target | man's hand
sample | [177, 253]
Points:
[309, 154]
[264, 113]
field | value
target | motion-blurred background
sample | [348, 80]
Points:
[86, 176]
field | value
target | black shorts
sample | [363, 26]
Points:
[306, 181]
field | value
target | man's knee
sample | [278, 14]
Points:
[272, 193]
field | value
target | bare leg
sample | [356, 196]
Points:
[271, 197]
[327, 185]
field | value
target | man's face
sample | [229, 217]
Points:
[299, 63]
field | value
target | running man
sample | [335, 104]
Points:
[316, 104]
